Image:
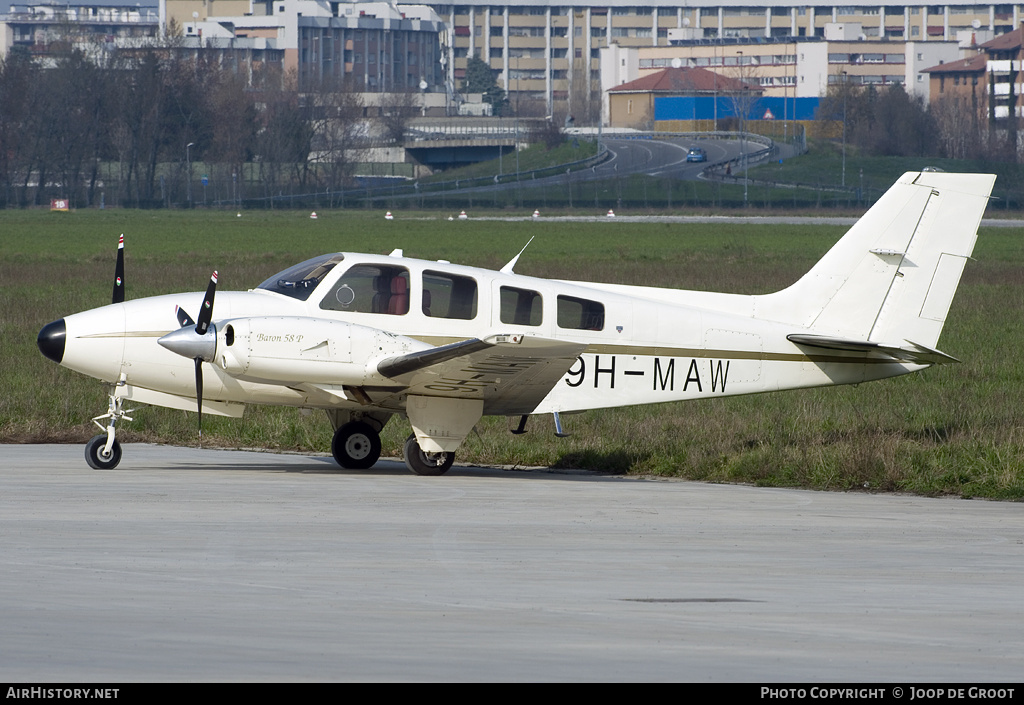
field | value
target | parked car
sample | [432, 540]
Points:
[697, 155]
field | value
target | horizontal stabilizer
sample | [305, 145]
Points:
[915, 353]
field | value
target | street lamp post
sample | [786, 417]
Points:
[743, 126]
[519, 193]
[714, 78]
[845, 90]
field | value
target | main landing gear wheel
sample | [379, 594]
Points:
[423, 463]
[356, 446]
[99, 460]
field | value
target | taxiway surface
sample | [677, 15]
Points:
[190, 565]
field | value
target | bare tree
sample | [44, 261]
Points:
[396, 110]
[584, 110]
[745, 96]
[234, 128]
[885, 122]
[547, 132]
[958, 121]
[340, 132]
[17, 74]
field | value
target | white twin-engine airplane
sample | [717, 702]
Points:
[366, 337]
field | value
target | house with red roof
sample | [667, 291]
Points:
[632, 104]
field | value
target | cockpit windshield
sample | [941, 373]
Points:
[299, 281]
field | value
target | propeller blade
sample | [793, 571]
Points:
[202, 325]
[183, 318]
[206, 312]
[199, 343]
[199, 394]
[118, 296]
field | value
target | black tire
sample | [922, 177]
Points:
[420, 463]
[356, 446]
[95, 457]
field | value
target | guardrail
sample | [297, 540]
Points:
[726, 165]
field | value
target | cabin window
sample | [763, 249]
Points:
[370, 288]
[521, 307]
[448, 296]
[299, 281]
[580, 314]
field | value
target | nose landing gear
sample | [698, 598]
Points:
[103, 452]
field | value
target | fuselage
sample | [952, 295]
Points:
[327, 321]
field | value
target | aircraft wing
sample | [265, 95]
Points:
[915, 353]
[510, 373]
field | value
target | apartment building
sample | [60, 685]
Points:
[36, 26]
[990, 81]
[1004, 77]
[792, 67]
[374, 47]
[551, 53]
[548, 56]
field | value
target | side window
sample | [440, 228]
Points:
[520, 306]
[367, 288]
[580, 314]
[448, 296]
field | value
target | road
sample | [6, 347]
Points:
[662, 157]
[203, 565]
[665, 157]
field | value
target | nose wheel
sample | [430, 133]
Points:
[99, 456]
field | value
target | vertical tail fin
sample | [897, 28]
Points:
[892, 277]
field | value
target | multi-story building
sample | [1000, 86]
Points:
[92, 26]
[984, 91]
[547, 56]
[965, 78]
[799, 67]
[372, 47]
[551, 53]
[1004, 76]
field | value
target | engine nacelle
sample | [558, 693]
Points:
[294, 349]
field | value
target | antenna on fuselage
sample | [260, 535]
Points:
[507, 269]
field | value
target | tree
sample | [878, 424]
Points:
[881, 123]
[285, 133]
[396, 110]
[745, 96]
[481, 79]
[959, 122]
[17, 78]
[909, 130]
[340, 131]
[233, 129]
[546, 132]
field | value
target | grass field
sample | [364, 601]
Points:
[954, 429]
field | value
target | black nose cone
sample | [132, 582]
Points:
[51, 340]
